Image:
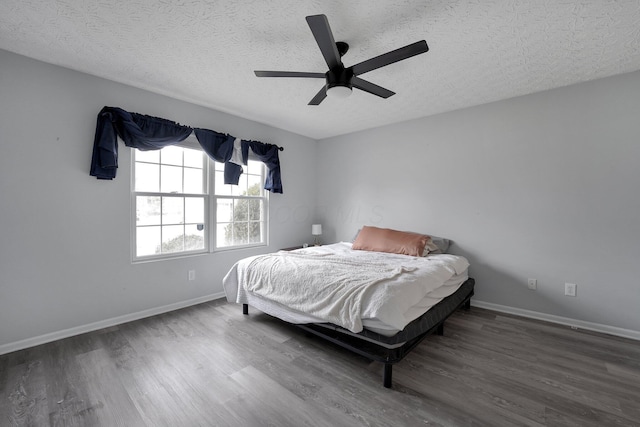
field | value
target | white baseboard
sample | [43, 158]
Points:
[53, 336]
[43, 339]
[577, 324]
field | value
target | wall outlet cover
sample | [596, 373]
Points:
[570, 289]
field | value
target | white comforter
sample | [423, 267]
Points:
[342, 286]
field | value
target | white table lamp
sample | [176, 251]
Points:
[316, 230]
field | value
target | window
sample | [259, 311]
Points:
[241, 209]
[173, 208]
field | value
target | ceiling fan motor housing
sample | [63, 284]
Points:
[339, 76]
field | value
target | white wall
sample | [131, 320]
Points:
[65, 257]
[542, 186]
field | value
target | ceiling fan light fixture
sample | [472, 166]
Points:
[339, 92]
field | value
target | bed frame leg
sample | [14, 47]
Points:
[245, 309]
[467, 305]
[440, 330]
[386, 379]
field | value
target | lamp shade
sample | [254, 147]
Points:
[316, 229]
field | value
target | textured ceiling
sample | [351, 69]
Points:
[205, 51]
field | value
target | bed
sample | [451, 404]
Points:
[379, 301]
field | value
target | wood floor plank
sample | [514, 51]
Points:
[360, 396]
[535, 376]
[269, 398]
[210, 365]
[484, 402]
[552, 387]
[174, 379]
[108, 399]
[502, 396]
[65, 384]
[553, 361]
[26, 394]
[144, 383]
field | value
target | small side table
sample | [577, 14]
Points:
[292, 248]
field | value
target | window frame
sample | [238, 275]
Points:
[264, 197]
[210, 210]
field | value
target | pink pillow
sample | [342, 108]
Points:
[391, 241]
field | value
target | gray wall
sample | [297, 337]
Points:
[542, 186]
[65, 258]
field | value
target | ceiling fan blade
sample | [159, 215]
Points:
[324, 37]
[371, 88]
[320, 96]
[390, 57]
[289, 74]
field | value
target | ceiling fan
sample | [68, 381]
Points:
[341, 80]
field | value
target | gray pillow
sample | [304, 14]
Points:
[441, 243]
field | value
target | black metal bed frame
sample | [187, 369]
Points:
[376, 352]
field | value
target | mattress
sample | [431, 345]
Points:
[421, 325]
[439, 276]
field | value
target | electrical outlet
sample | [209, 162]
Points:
[192, 275]
[570, 289]
[532, 284]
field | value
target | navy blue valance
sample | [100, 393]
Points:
[152, 133]
[219, 147]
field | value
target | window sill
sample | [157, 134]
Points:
[234, 248]
[168, 257]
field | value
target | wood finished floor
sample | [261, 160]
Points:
[209, 365]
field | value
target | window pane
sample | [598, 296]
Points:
[193, 181]
[240, 233]
[221, 189]
[224, 234]
[242, 182]
[147, 210]
[255, 185]
[241, 210]
[255, 167]
[194, 210]
[172, 210]
[152, 156]
[147, 177]
[171, 179]
[147, 241]
[193, 158]
[218, 166]
[224, 212]
[171, 155]
[172, 238]
[193, 239]
[255, 209]
[241, 188]
[255, 232]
